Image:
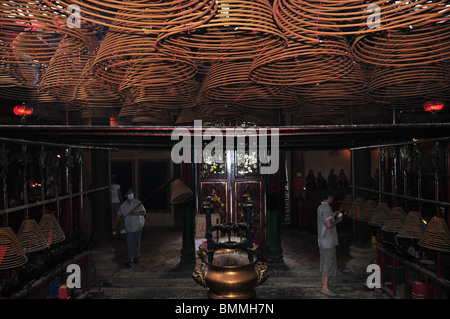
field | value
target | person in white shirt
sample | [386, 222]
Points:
[116, 201]
[134, 213]
[327, 239]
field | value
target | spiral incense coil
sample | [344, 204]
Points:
[312, 19]
[172, 96]
[207, 110]
[128, 60]
[51, 229]
[156, 70]
[11, 252]
[367, 210]
[357, 207]
[228, 81]
[150, 115]
[402, 48]
[395, 220]
[301, 63]
[65, 70]
[91, 91]
[346, 204]
[436, 235]
[143, 16]
[380, 215]
[10, 75]
[30, 236]
[398, 85]
[240, 29]
[348, 89]
[413, 226]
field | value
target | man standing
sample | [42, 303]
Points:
[116, 201]
[134, 212]
[327, 240]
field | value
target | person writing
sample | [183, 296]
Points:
[133, 212]
[327, 240]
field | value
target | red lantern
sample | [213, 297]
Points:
[433, 106]
[23, 110]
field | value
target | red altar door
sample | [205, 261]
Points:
[227, 183]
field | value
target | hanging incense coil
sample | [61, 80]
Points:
[142, 15]
[413, 226]
[404, 48]
[380, 215]
[228, 81]
[65, 69]
[171, 96]
[149, 115]
[92, 92]
[128, 60]
[30, 236]
[11, 252]
[312, 19]
[51, 229]
[337, 97]
[357, 206]
[367, 210]
[395, 220]
[346, 204]
[407, 87]
[301, 63]
[207, 110]
[240, 29]
[436, 235]
[156, 70]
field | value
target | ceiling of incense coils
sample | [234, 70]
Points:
[143, 61]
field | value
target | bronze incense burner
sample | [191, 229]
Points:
[229, 269]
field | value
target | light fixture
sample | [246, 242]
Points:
[23, 111]
[433, 106]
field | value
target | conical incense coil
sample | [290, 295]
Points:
[413, 226]
[357, 206]
[346, 204]
[228, 81]
[240, 29]
[380, 215]
[142, 16]
[51, 229]
[11, 252]
[207, 110]
[395, 220]
[301, 63]
[310, 20]
[436, 235]
[171, 96]
[94, 92]
[367, 210]
[129, 60]
[30, 236]
[404, 48]
[396, 86]
[64, 72]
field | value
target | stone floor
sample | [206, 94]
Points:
[159, 274]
